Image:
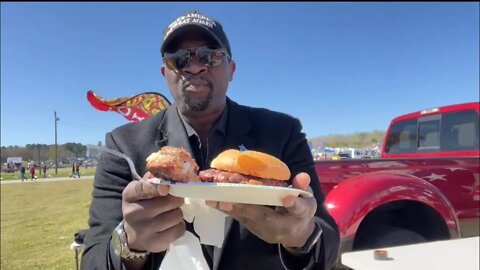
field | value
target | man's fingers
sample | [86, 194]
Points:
[155, 236]
[151, 208]
[167, 220]
[299, 206]
[162, 189]
[301, 181]
[296, 206]
[148, 175]
[161, 241]
[143, 190]
[289, 201]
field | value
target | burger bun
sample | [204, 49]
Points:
[252, 163]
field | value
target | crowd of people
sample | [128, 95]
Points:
[33, 170]
[36, 171]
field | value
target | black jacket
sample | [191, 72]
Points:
[257, 129]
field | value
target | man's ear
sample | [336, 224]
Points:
[233, 66]
[162, 70]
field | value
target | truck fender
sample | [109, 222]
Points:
[350, 201]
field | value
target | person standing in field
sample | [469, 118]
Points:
[77, 169]
[32, 172]
[73, 171]
[22, 172]
[45, 171]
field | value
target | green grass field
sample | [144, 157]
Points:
[38, 221]
[61, 172]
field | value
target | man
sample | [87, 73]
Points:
[32, 172]
[73, 171]
[143, 221]
[77, 169]
[22, 173]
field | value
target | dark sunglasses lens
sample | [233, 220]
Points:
[176, 60]
[210, 57]
[205, 56]
[181, 61]
[170, 62]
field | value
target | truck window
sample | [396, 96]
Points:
[402, 137]
[460, 131]
[429, 135]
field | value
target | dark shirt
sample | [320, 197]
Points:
[203, 154]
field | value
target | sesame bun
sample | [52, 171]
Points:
[251, 163]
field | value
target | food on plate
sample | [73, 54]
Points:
[247, 167]
[173, 163]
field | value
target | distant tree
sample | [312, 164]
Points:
[44, 152]
[77, 149]
[355, 140]
[12, 151]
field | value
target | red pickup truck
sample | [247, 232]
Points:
[425, 186]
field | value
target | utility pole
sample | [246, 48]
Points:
[39, 160]
[56, 157]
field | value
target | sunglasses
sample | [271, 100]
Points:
[205, 55]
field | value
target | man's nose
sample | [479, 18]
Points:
[194, 66]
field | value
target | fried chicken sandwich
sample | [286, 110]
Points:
[173, 163]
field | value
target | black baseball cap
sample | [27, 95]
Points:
[195, 20]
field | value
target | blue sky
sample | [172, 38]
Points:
[339, 67]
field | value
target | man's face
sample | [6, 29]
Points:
[198, 89]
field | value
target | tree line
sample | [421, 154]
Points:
[43, 152]
[355, 140]
[70, 150]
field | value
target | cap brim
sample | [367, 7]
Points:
[182, 29]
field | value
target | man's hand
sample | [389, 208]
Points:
[290, 225]
[153, 218]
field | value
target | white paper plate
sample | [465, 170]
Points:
[235, 193]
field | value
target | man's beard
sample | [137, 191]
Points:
[196, 105]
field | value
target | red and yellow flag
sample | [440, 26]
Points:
[134, 108]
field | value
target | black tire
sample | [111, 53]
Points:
[387, 236]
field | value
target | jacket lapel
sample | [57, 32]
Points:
[172, 132]
[238, 127]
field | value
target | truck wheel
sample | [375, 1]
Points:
[387, 236]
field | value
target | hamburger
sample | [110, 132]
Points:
[247, 167]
